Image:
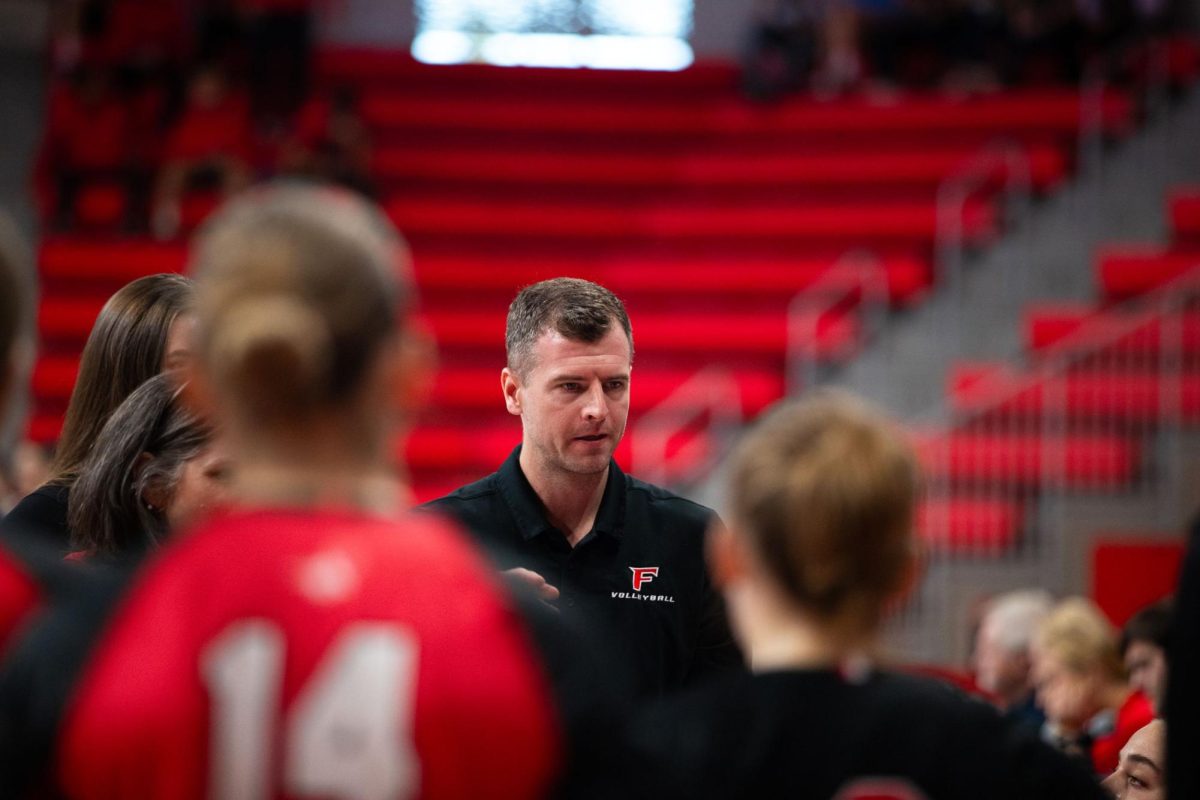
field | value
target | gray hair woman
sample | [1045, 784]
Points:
[153, 469]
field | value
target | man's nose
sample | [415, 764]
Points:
[594, 407]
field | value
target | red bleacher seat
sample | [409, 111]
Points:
[1185, 215]
[1086, 394]
[864, 222]
[1086, 460]
[1129, 573]
[712, 172]
[969, 525]
[1130, 271]
[1120, 336]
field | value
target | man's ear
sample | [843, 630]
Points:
[510, 384]
[726, 555]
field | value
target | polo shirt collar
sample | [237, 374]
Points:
[527, 510]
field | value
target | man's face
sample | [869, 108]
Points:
[573, 400]
[999, 670]
[1147, 665]
[1139, 773]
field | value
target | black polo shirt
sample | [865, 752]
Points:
[637, 580]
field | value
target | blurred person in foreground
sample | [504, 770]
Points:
[1090, 709]
[1183, 661]
[313, 641]
[1002, 661]
[1143, 648]
[1141, 773]
[820, 540]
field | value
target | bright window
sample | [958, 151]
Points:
[602, 34]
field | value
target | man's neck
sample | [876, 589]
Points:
[571, 500]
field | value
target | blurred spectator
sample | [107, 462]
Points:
[28, 469]
[1002, 660]
[88, 139]
[208, 146]
[1141, 773]
[278, 45]
[1090, 710]
[780, 53]
[331, 143]
[1144, 649]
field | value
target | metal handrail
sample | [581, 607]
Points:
[711, 390]
[956, 189]
[858, 271]
[1082, 344]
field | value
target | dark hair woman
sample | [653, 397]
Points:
[142, 330]
[154, 469]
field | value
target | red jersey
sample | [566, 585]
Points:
[293, 654]
[1133, 715]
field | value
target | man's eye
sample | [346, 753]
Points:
[1135, 782]
[569, 387]
[616, 386]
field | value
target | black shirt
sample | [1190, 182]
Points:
[814, 733]
[43, 514]
[638, 579]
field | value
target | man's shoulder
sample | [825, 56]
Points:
[466, 497]
[664, 502]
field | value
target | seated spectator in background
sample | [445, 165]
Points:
[1144, 650]
[1090, 710]
[278, 45]
[208, 146]
[89, 131]
[153, 470]
[141, 331]
[27, 467]
[780, 52]
[1002, 661]
[331, 143]
[1141, 773]
[820, 541]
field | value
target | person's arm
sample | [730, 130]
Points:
[1183, 672]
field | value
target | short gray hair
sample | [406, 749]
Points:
[1014, 617]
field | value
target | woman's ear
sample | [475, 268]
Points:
[153, 495]
[726, 555]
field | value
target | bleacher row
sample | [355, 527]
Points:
[707, 214]
[1119, 369]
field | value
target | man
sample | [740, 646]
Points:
[1002, 654]
[1144, 650]
[1141, 773]
[624, 557]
